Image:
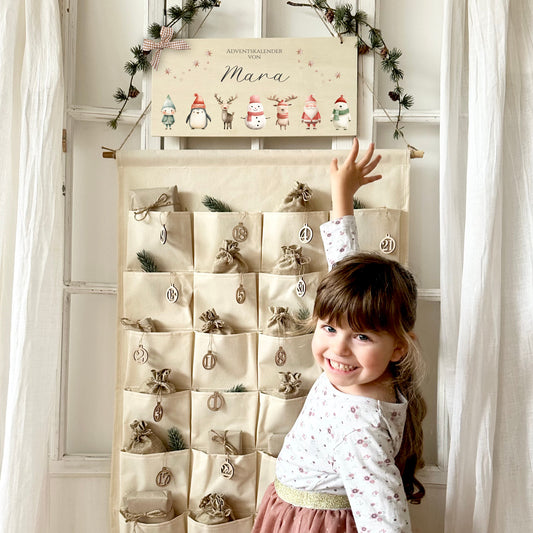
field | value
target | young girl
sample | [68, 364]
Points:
[339, 468]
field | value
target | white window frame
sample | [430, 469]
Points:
[63, 464]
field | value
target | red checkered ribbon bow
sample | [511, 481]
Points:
[165, 42]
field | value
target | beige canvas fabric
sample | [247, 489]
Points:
[236, 361]
[254, 183]
[276, 416]
[218, 291]
[138, 472]
[239, 491]
[172, 349]
[145, 234]
[299, 359]
[282, 229]
[211, 229]
[145, 295]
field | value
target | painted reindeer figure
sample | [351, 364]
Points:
[282, 108]
[227, 117]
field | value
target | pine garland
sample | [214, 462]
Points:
[140, 63]
[175, 440]
[147, 261]
[344, 22]
[215, 205]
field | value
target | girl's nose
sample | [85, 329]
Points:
[341, 346]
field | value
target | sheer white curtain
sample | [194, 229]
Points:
[31, 238]
[487, 263]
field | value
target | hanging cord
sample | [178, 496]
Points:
[111, 153]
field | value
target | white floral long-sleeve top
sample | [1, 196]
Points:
[345, 444]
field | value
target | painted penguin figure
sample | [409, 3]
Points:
[341, 114]
[255, 118]
[168, 111]
[198, 117]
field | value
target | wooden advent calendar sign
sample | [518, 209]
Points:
[256, 88]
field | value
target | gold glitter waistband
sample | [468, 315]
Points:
[311, 500]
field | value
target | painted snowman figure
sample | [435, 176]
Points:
[255, 118]
[198, 117]
[341, 114]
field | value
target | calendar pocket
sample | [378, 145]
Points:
[285, 229]
[221, 292]
[212, 229]
[222, 361]
[380, 230]
[298, 358]
[157, 471]
[175, 410]
[166, 236]
[176, 525]
[276, 416]
[234, 411]
[166, 297]
[238, 491]
[266, 474]
[145, 351]
[282, 291]
[242, 525]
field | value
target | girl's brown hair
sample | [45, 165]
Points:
[369, 292]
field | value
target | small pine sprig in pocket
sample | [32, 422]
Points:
[238, 388]
[216, 205]
[147, 261]
[175, 440]
[357, 204]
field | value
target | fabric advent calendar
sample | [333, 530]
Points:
[213, 356]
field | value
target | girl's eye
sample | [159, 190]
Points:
[328, 329]
[362, 337]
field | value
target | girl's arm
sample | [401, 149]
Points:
[340, 234]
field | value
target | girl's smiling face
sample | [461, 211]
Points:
[355, 362]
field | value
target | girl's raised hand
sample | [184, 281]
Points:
[350, 176]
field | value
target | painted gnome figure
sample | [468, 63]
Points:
[311, 115]
[255, 118]
[168, 110]
[198, 119]
[341, 114]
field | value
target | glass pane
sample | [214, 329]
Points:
[106, 31]
[91, 374]
[94, 201]
[420, 44]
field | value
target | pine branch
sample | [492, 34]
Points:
[175, 440]
[147, 261]
[215, 205]
[238, 388]
[140, 62]
[357, 204]
[302, 314]
[344, 22]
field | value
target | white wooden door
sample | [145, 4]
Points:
[97, 37]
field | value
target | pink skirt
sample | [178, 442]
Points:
[277, 516]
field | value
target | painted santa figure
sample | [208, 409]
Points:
[311, 115]
[255, 118]
[198, 117]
